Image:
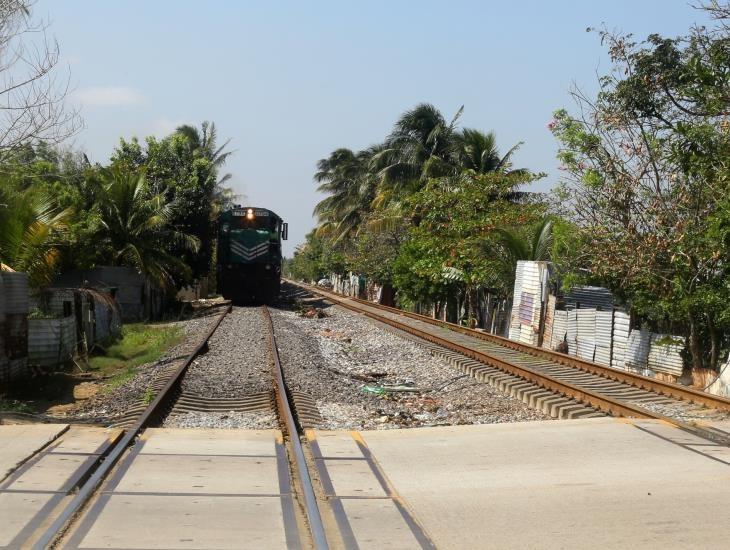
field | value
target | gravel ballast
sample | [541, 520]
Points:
[236, 365]
[249, 420]
[237, 362]
[339, 360]
[114, 403]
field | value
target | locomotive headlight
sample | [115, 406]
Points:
[224, 228]
[249, 214]
[268, 266]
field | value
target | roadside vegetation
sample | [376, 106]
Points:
[140, 344]
[438, 212]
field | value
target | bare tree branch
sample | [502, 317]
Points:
[32, 95]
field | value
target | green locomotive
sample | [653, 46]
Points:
[249, 254]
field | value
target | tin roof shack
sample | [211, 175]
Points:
[13, 325]
[51, 339]
[95, 318]
[138, 298]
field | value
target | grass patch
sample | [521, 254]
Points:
[140, 344]
[12, 405]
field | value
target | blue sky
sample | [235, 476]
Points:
[289, 81]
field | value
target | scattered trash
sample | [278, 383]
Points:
[336, 335]
[313, 313]
[383, 389]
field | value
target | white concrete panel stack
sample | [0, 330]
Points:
[572, 332]
[530, 303]
[604, 326]
[665, 354]
[586, 333]
[560, 326]
[637, 351]
[514, 324]
[621, 328]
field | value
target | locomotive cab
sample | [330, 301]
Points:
[249, 254]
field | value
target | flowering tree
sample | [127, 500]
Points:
[646, 181]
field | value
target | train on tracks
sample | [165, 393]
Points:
[249, 254]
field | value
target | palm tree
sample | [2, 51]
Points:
[417, 149]
[30, 227]
[515, 245]
[346, 177]
[477, 151]
[205, 143]
[136, 224]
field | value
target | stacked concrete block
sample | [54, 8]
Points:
[621, 329]
[604, 330]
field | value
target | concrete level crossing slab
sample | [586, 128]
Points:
[89, 440]
[200, 474]
[21, 441]
[134, 521]
[361, 507]
[16, 511]
[604, 482]
[38, 487]
[174, 441]
[195, 488]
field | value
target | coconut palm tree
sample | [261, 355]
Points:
[205, 143]
[417, 149]
[31, 227]
[514, 245]
[477, 151]
[136, 224]
[346, 177]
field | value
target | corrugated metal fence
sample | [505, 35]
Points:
[590, 326]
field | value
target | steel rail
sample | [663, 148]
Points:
[661, 387]
[316, 526]
[642, 382]
[615, 407]
[59, 525]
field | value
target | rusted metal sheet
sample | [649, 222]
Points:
[637, 351]
[665, 354]
[547, 331]
[560, 327]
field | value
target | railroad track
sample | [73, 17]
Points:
[168, 399]
[562, 385]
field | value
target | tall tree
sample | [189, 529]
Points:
[31, 226]
[646, 181]
[350, 185]
[136, 224]
[32, 96]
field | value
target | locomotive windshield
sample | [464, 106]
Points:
[260, 220]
